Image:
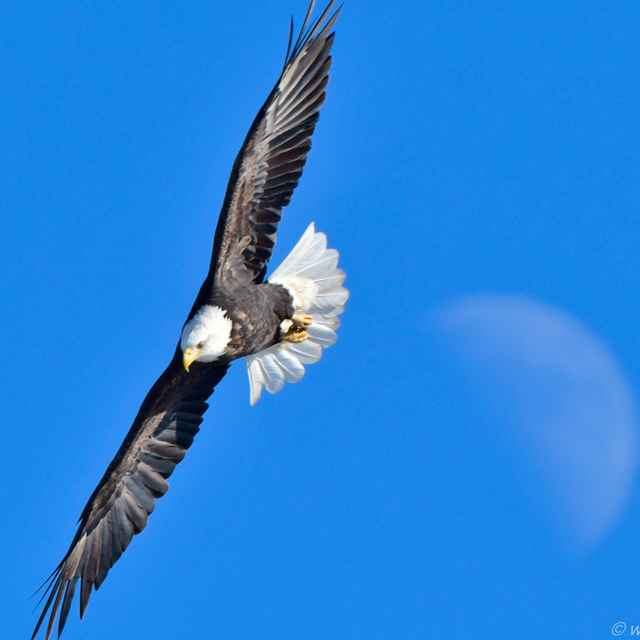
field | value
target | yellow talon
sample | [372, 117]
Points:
[302, 320]
[295, 335]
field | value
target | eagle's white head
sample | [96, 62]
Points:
[206, 336]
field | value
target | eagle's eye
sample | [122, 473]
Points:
[200, 345]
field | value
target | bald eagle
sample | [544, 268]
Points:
[277, 325]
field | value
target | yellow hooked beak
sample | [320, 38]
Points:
[189, 356]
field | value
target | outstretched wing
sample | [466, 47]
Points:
[162, 432]
[274, 152]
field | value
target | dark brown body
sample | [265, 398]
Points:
[256, 312]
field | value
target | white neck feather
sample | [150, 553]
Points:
[211, 329]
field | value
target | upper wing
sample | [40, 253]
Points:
[274, 152]
[161, 433]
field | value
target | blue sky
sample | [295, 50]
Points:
[476, 164]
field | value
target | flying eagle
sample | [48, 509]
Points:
[278, 325]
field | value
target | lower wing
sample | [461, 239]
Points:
[163, 430]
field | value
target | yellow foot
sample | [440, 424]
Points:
[302, 321]
[295, 335]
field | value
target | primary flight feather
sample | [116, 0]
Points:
[278, 325]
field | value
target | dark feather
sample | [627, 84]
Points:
[66, 603]
[85, 594]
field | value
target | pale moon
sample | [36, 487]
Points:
[562, 395]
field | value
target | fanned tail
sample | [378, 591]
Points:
[311, 274]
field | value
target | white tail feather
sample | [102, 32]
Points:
[310, 272]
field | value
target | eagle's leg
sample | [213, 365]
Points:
[302, 321]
